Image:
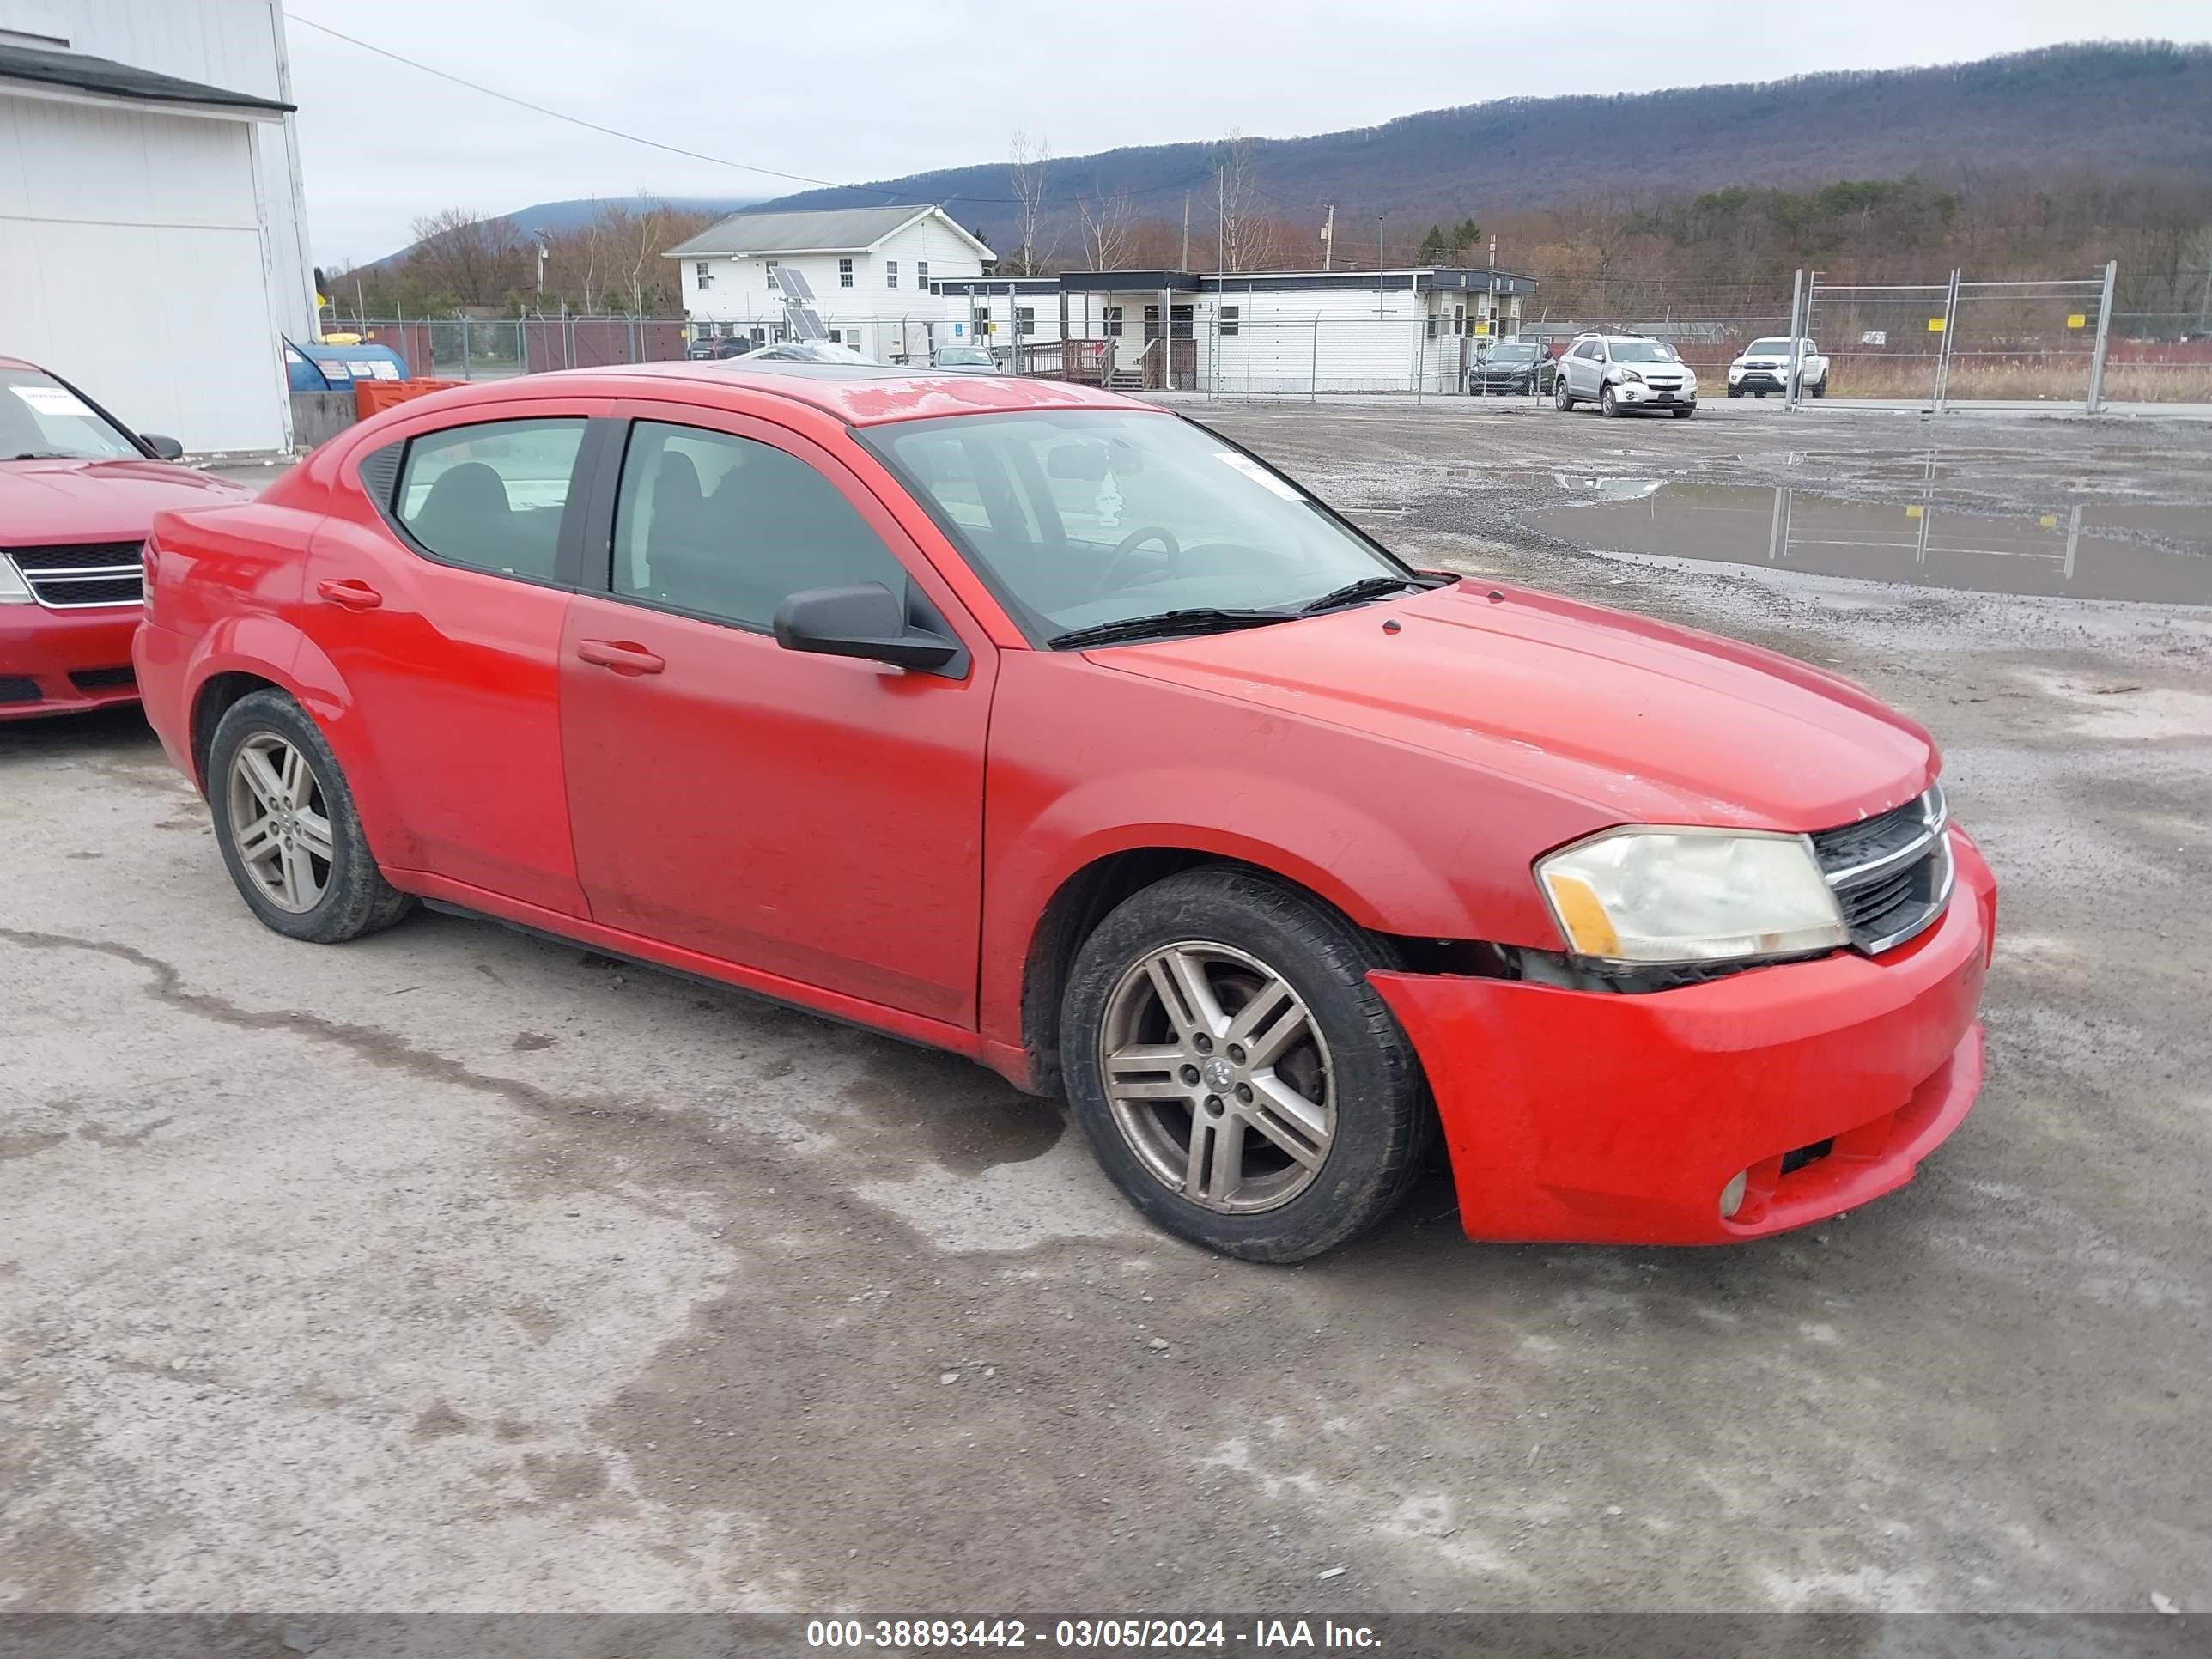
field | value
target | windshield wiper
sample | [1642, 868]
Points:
[1367, 587]
[1198, 619]
[43, 455]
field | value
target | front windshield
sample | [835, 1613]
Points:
[952, 354]
[1513, 354]
[1642, 351]
[1083, 517]
[41, 419]
[1767, 349]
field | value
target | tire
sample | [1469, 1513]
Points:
[275, 870]
[1683, 411]
[1563, 399]
[1349, 1064]
[1607, 405]
[1735, 392]
[1820, 386]
[1760, 394]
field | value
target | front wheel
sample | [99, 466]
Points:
[1237, 1075]
[1683, 411]
[286, 823]
[1608, 405]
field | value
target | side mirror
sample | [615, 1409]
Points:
[868, 622]
[165, 447]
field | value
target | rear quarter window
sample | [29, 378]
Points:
[490, 496]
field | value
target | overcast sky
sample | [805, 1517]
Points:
[849, 90]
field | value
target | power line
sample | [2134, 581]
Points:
[595, 126]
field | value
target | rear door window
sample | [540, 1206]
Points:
[490, 496]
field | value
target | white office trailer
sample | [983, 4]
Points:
[870, 270]
[153, 238]
[1262, 331]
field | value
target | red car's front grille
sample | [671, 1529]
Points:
[69, 576]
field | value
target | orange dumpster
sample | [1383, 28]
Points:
[373, 397]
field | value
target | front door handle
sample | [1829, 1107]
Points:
[621, 655]
[353, 595]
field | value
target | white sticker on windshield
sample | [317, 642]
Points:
[1257, 473]
[52, 400]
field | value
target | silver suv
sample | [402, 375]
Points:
[1620, 373]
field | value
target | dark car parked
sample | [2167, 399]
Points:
[1511, 369]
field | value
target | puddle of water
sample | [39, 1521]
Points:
[2070, 550]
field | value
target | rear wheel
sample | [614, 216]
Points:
[1820, 386]
[1237, 1076]
[1561, 395]
[285, 823]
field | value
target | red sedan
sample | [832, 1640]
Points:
[77, 491]
[1046, 726]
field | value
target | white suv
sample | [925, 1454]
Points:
[1620, 372]
[1764, 366]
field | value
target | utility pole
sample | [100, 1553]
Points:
[1220, 221]
[1378, 264]
[1185, 265]
[1329, 239]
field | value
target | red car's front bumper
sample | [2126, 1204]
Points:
[1619, 1118]
[64, 662]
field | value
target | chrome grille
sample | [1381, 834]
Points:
[77, 575]
[1891, 874]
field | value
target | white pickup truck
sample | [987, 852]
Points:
[1764, 366]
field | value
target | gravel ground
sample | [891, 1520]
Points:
[459, 1270]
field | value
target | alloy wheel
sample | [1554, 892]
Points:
[280, 824]
[1218, 1076]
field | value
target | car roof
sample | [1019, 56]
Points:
[858, 394]
[19, 362]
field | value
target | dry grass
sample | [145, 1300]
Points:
[2022, 379]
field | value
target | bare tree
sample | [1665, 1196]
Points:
[1026, 161]
[1247, 233]
[465, 258]
[1106, 230]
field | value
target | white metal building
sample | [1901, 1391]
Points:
[153, 240]
[1271, 331]
[870, 270]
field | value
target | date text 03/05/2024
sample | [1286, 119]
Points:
[1081, 1635]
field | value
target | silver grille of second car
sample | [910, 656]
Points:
[77, 575]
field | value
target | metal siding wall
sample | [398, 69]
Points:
[235, 45]
[131, 264]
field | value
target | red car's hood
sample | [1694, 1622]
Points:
[1647, 723]
[43, 502]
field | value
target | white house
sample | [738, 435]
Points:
[870, 270]
[153, 244]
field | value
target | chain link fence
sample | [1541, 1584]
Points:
[496, 348]
[1943, 343]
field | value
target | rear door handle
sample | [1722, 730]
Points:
[353, 595]
[621, 655]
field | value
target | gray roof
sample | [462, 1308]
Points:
[110, 79]
[826, 230]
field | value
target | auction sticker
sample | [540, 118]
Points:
[52, 400]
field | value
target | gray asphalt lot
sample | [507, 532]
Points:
[455, 1269]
